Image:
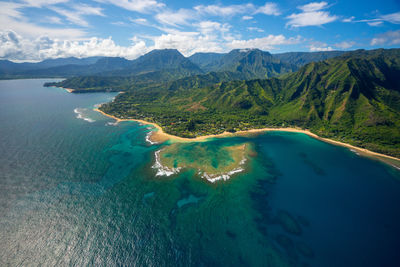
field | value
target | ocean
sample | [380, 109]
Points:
[78, 189]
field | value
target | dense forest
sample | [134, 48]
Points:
[354, 98]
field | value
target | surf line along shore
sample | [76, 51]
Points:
[160, 136]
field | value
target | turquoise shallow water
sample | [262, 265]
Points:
[77, 190]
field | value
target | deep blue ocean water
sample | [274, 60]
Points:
[75, 189]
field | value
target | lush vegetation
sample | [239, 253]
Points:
[354, 98]
[160, 67]
[302, 58]
[153, 62]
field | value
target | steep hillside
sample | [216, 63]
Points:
[302, 58]
[353, 98]
[206, 60]
[252, 63]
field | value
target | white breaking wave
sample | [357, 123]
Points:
[224, 176]
[80, 114]
[148, 138]
[163, 170]
[112, 123]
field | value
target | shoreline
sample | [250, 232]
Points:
[69, 90]
[160, 136]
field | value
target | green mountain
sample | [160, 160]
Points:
[353, 98]
[252, 63]
[302, 58]
[9, 69]
[158, 60]
[170, 65]
[167, 60]
[206, 60]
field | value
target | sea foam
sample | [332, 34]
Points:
[80, 114]
[163, 170]
[110, 123]
[166, 171]
[148, 138]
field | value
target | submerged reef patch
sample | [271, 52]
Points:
[212, 160]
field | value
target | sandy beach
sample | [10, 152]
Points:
[69, 90]
[160, 136]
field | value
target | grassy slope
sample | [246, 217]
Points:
[354, 98]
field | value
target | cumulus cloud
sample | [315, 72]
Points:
[17, 48]
[187, 42]
[267, 43]
[312, 15]
[142, 6]
[345, 45]
[269, 9]
[311, 7]
[390, 38]
[315, 48]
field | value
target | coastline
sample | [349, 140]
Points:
[69, 90]
[160, 136]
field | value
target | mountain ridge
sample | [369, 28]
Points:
[353, 98]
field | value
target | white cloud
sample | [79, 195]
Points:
[72, 16]
[267, 43]
[247, 18]
[392, 18]
[52, 20]
[12, 18]
[390, 38]
[345, 45]
[41, 3]
[217, 10]
[88, 10]
[316, 48]
[269, 9]
[311, 16]
[375, 23]
[255, 29]
[142, 6]
[75, 15]
[180, 17]
[139, 21]
[15, 47]
[187, 43]
[315, 6]
[310, 19]
[10, 10]
[350, 19]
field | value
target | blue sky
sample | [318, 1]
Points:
[32, 30]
